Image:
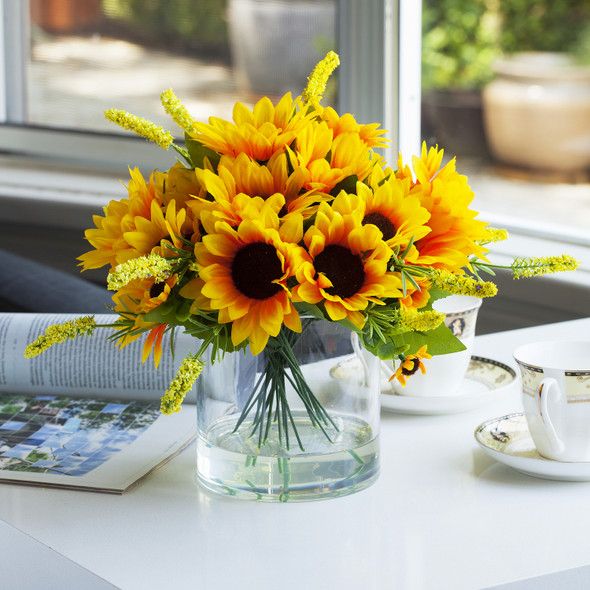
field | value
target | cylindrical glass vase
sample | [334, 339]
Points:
[299, 421]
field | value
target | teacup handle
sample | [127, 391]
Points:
[546, 387]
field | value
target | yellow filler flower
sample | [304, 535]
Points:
[140, 126]
[189, 370]
[316, 83]
[177, 111]
[57, 333]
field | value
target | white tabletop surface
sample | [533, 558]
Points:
[442, 515]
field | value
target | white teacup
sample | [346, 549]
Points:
[556, 397]
[445, 373]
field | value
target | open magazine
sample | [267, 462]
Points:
[85, 414]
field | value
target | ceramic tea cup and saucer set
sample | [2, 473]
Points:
[551, 438]
[454, 382]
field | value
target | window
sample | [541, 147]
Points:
[60, 162]
[518, 122]
[66, 61]
[62, 62]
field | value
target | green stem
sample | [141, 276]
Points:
[268, 400]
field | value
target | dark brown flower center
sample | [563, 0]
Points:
[157, 289]
[344, 269]
[254, 268]
[415, 367]
[383, 223]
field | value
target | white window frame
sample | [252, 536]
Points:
[379, 81]
[100, 151]
[373, 59]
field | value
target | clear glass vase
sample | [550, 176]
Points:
[300, 421]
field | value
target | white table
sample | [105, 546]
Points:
[442, 515]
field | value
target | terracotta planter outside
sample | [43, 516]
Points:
[64, 16]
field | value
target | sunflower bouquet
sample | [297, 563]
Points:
[285, 215]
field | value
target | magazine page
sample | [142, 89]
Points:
[85, 443]
[85, 414]
[88, 365]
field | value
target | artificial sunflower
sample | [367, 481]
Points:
[455, 232]
[371, 134]
[132, 302]
[107, 238]
[347, 267]
[410, 365]
[259, 133]
[244, 272]
[348, 157]
[418, 296]
[389, 206]
[140, 296]
[227, 205]
[130, 227]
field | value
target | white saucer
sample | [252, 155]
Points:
[507, 439]
[484, 380]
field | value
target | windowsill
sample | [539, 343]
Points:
[38, 193]
[35, 192]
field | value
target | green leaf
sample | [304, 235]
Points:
[439, 341]
[386, 351]
[163, 314]
[309, 309]
[198, 152]
[348, 185]
[183, 311]
[435, 295]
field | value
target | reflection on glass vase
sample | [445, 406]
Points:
[300, 421]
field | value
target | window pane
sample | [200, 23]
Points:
[506, 89]
[91, 55]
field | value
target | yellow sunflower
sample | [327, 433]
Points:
[446, 195]
[389, 206]
[370, 134]
[259, 133]
[137, 298]
[108, 239]
[244, 272]
[410, 365]
[181, 185]
[425, 167]
[277, 176]
[156, 233]
[348, 266]
[225, 203]
[348, 156]
[416, 298]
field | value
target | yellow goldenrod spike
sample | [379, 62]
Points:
[534, 267]
[177, 111]
[462, 284]
[316, 83]
[57, 333]
[412, 320]
[140, 126]
[493, 234]
[143, 267]
[189, 370]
